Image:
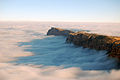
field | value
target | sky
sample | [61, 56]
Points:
[60, 10]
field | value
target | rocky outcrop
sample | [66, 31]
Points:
[96, 41]
[90, 40]
[59, 32]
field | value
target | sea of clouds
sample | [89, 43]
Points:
[26, 53]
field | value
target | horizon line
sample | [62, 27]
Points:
[59, 21]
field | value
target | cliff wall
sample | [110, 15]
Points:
[89, 40]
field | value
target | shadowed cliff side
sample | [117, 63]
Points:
[90, 40]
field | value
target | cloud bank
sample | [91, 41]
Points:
[29, 72]
[13, 33]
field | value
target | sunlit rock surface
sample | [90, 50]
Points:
[90, 40]
[59, 32]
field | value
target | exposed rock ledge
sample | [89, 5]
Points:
[89, 40]
[59, 32]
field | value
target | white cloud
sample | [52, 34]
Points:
[12, 33]
[22, 72]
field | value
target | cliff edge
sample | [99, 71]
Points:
[59, 32]
[89, 40]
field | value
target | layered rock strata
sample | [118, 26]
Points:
[89, 40]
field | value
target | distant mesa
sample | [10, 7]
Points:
[90, 40]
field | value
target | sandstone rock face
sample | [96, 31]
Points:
[89, 40]
[58, 32]
[95, 41]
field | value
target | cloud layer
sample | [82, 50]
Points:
[13, 33]
[29, 72]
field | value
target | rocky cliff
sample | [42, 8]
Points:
[59, 32]
[90, 40]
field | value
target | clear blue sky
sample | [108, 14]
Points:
[60, 10]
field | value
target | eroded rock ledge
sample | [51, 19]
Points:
[89, 40]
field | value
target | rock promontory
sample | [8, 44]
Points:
[59, 32]
[90, 40]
